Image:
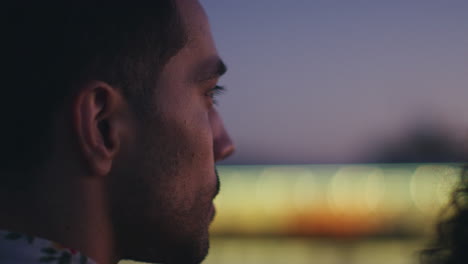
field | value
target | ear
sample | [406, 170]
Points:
[97, 122]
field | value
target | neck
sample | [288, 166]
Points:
[71, 211]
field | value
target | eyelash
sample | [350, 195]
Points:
[215, 92]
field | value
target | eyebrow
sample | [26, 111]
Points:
[209, 69]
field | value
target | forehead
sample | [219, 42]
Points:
[195, 22]
[200, 47]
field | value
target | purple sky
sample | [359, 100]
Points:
[320, 81]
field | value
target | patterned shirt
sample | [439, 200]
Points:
[17, 248]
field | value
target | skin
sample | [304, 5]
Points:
[182, 141]
[125, 185]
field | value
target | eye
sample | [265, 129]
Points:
[214, 92]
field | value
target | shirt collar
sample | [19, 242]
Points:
[21, 248]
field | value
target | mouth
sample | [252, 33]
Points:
[218, 184]
[212, 212]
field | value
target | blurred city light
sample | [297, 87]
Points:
[305, 213]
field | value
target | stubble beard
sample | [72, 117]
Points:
[151, 230]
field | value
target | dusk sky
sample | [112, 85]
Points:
[324, 80]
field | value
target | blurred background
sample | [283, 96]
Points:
[350, 120]
[328, 214]
[351, 116]
[336, 81]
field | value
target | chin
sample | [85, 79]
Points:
[191, 251]
[173, 250]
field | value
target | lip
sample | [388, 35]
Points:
[212, 211]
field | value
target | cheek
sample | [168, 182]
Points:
[195, 155]
[190, 129]
[185, 160]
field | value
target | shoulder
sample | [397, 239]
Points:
[21, 248]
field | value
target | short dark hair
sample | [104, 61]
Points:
[49, 48]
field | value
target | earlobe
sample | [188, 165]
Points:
[97, 118]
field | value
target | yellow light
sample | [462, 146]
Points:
[307, 192]
[431, 186]
[350, 189]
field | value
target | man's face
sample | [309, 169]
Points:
[162, 198]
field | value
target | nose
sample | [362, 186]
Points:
[223, 146]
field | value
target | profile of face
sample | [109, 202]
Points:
[164, 182]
